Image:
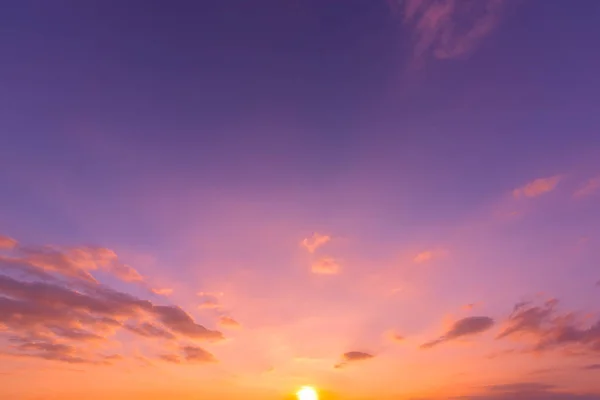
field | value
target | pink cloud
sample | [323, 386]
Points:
[450, 28]
[314, 242]
[163, 291]
[326, 266]
[7, 242]
[537, 187]
[589, 188]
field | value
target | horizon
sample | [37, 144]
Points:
[355, 199]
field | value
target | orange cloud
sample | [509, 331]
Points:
[589, 188]
[314, 242]
[7, 242]
[209, 303]
[537, 187]
[163, 292]
[228, 322]
[326, 266]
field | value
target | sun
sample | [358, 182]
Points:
[307, 393]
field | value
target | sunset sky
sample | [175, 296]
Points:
[234, 199]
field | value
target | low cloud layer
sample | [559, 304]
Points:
[461, 328]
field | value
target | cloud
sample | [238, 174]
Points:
[326, 266]
[228, 322]
[197, 354]
[423, 257]
[589, 188]
[209, 303]
[591, 367]
[469, 307]
[352, 357]
[547, 329]
[77, 262]
[461, 328]
[177, 320]
[428, 256]
[190, 354]
[526, 319]
[149, 330]
[396, 337]
[537, 187]
[52, 313]
[162, 292]
[315, 241]
[7, 242]
[445, 29]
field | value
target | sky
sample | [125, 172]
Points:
[231, 200]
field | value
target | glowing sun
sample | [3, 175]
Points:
[307, 393]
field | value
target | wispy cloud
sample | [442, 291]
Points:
[588, 188]
[446, 29]
[315, 241]
[547, 329]
[428, 255]
[7, 242]
[461, 328]
[326, 266]
[537, 187]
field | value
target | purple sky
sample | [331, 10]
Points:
[444, 155]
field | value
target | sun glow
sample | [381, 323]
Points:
[307, 393]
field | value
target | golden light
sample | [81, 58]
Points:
[307, 393]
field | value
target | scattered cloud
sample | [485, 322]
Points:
[352, 357]
[228, 322]
[315, 241]
[537, 187]
[589, 188]
[7, 242]
[446, 29]
[546, 329]
[591, 367]
[50, 309]
[326, 266]
[163, 292]
[209, 303]
[461, 328]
